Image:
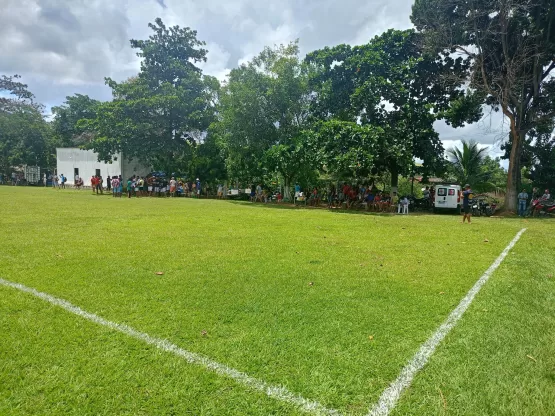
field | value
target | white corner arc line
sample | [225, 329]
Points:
[390, 396]
[276, 392]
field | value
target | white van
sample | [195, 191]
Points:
[448, 197]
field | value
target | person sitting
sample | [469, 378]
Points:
[394, 202]
[546, 196]
[369, 200]
[404, 206]
[314, 198]
[378, 202]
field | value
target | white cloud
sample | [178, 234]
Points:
[61, 47]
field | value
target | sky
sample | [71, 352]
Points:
[63, 47]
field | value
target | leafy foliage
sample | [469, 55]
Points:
[159, 115]
[471, 165]
[509, 46]
[542, 171]
[347, 150]
[391, 83]
[24, 134]
[66, 128]
[263, 111]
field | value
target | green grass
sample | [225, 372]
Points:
[241, 273]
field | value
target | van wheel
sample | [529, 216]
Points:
[434, 210]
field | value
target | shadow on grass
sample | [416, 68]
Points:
[287, 206]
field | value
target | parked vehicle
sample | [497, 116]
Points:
[483, 205]
[419, 204]
[541, 208]
[475, 209]
[447, 197]
[488, 208]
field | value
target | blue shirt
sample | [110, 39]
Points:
[466, 197]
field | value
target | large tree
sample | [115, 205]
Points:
[66, 129]
[263, 111]
[24, 133]
[390, 83]
[510, 47]
[163, 113]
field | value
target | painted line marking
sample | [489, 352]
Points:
[276, 392]
[390, 396]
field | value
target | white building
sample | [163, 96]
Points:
[72, 162]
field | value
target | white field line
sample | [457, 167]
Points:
[276, 392]
[390, 396]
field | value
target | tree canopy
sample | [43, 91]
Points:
[392, 84]
[24, 134]
[160, 115]
[346, 113]
[508, 46]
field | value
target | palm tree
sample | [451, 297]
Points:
[466, 165]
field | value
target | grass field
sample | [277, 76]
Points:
[329, 305]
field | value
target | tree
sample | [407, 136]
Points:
[542, 168]
[470, 164]
[509, 46]
[207, 161]
[264, 109]
[494, 173]
[67, 130]
[23, 131]
[292, 159]
[347, 150]
[158, 116]
[391, 83]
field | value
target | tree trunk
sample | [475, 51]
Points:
[287, 189]
[394, 169]
[513, 176]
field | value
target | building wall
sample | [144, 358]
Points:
[69, 159]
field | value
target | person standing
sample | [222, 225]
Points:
[43, 180]
[99, 185]
[55, 183]
[403, 206]
[199, 188]
[522, 201]
[93, 184]
[115, 186]
[467, 197]
[173, 187]
[120, 186]
[395, 203]
[108, 184]
[142, 186]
